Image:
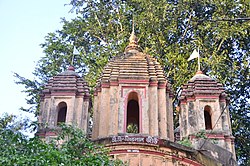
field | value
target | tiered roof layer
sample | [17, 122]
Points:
[66, 83]
[202, 85]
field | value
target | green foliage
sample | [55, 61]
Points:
[201, 134]
[132, 128]
[168, 30]
[17, 149]
[14, 123]
[214, 141]
[32, 89]
[186, 142]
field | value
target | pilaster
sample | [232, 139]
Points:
[153, 111]
[162, 113]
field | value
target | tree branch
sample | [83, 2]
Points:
[190, 17]
[100, 39]
[220, 44]
[228, 19]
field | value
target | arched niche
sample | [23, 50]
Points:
[62, 112]
[133, 113]
[208, 117]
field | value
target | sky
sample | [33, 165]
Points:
[23, 26]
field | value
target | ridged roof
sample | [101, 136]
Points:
[132, 65]
[201, 84]
[67, 82]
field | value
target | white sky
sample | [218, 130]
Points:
[23, 26]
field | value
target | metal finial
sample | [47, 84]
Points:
[133, 40]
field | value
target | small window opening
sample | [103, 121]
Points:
[62, 112]
[207, 117]
[133, 113]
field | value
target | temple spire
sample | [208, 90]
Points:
[133, 41]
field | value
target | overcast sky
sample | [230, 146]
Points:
[23, 26]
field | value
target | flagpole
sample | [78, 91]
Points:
[199, 65]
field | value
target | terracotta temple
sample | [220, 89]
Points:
[133, 113]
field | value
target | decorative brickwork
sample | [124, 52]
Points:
[65, 84]
[202, 86]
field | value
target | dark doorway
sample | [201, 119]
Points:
[62, 112]
[207, 117]
[133, 113]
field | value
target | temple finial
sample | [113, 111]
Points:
[133, 40]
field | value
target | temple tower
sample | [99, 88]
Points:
[65, 99]
[204, 109]
[133, 96]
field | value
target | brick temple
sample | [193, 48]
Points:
[133, 113]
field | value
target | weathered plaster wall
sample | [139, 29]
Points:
[114, 100]
[104, 113]
[162, 115]
[153, 111]
[77, 111]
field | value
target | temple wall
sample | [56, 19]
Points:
[84, 116]
[77, 111]
[143, 154]
[104, 113]
[96, 116]
[215, 112]
[162, 113]
[142, 91]
[183, 120]
[153, 111]
[170, 119]
[114, 101]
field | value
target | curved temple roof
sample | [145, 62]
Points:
[132, 65]
[202, 85]
[65, 83]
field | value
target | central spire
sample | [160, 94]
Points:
[133, 41]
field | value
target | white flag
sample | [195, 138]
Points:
[75, 51]
[195, 54]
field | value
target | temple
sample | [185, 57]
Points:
[133, 113]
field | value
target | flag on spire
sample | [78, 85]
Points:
[75, 51]
[195, 54]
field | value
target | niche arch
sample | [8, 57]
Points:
[133, 113]
[208, 117]
[61, 112]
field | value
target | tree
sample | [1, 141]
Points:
[17, 149]
[169, 30]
